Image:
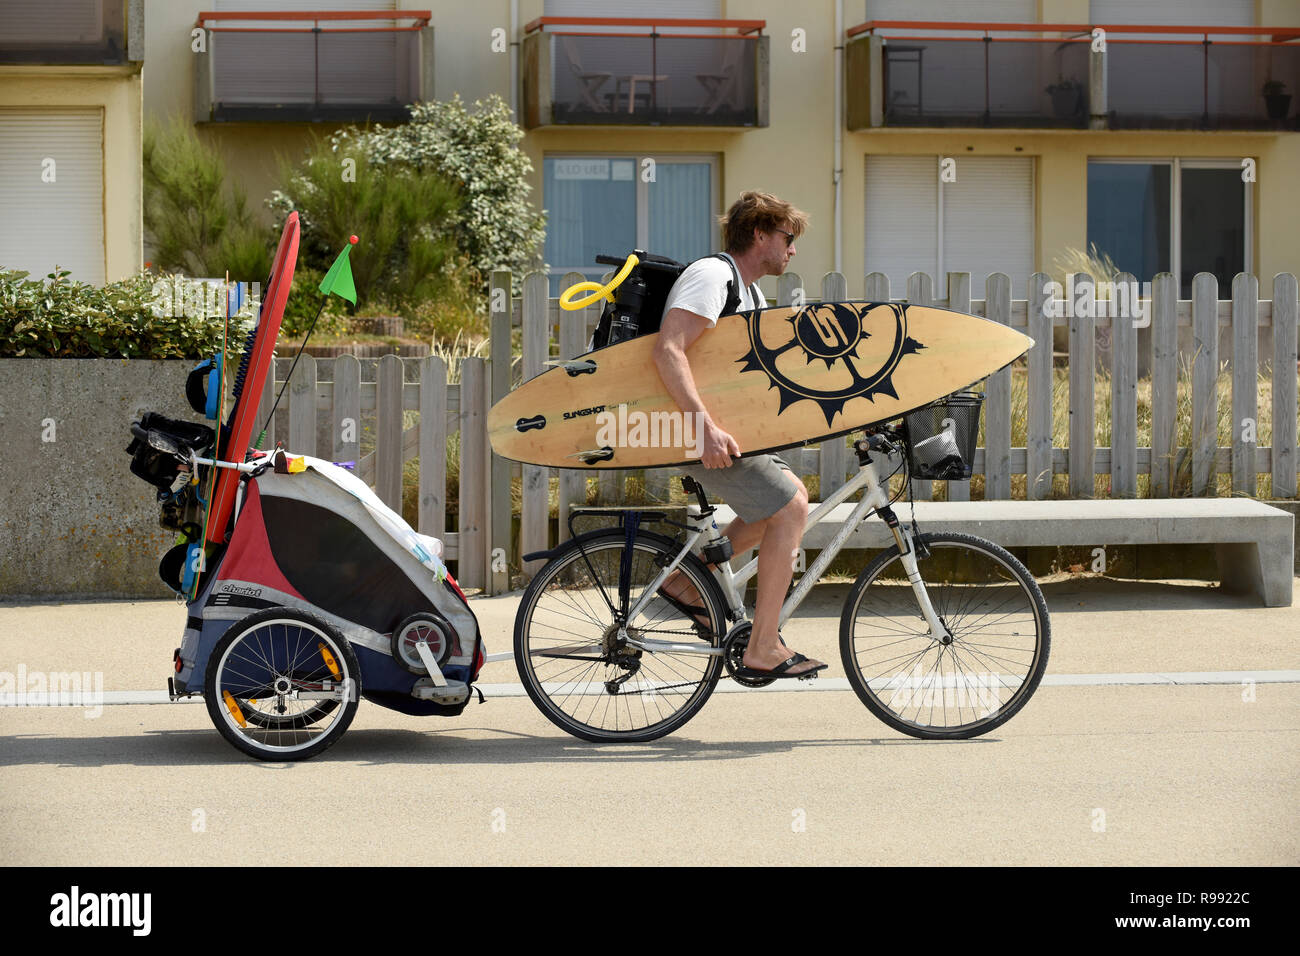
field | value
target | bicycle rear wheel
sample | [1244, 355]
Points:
[980, 673]
[579, 672]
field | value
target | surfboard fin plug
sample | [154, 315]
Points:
[593, 455]
[575, 367]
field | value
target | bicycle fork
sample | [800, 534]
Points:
[907, 557]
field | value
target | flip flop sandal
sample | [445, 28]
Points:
[699, 614]
[781, 670]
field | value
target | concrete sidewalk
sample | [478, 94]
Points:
[1093, 775]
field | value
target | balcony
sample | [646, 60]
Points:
[1186, 83]
[1048, 75]
[71, 32]
[621, 71]
[313, 66]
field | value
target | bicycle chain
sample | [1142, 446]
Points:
[656, 690]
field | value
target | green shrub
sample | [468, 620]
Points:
[496, 226]
[195, 222]
[69, 319]
[406, 252]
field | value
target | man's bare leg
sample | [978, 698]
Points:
[781, 535]
[766, 648]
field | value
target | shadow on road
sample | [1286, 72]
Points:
[382, 746]
[1109, 594]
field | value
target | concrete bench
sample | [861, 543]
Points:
[1253, 542]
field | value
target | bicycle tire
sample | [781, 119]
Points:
[562, 605]
[1015, 607]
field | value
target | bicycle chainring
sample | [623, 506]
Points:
[733, 656]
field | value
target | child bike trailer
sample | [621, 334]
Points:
[322, 595]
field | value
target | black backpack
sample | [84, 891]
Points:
[639, 302]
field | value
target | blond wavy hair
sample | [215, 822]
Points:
[756, 210]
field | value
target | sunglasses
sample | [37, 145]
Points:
[789, 237]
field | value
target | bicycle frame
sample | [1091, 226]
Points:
[875, 498]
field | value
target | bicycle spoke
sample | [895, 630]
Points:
[991, 655]
[621, 691]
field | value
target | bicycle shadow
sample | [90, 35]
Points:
[386, 746]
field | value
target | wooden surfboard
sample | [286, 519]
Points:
[773, 378]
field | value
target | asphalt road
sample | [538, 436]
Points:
[1102, 773]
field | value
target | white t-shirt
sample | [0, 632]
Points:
[702, 289]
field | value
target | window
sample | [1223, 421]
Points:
[52, 183]
[981, 220]
[1174, 215]
[610, 205]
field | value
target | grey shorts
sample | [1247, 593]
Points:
[755, 488]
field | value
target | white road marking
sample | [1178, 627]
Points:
[725, 686]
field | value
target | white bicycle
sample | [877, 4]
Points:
[942, 636]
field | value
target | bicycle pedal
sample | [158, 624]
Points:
[812, 676]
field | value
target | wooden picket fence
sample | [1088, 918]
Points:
[485, 545]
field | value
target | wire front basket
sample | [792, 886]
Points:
[941, 437]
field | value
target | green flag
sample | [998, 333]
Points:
[339, 279]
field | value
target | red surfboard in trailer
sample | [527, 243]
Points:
[259, 352]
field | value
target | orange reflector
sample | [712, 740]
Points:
[234, 708]
[330, 662]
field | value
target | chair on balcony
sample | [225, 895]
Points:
[589, 82]
[723, 88]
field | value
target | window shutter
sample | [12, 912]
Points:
[674, 9]
[53, 223]
[902, 194]
[988, 221]
[1215, 13]
[52, 21]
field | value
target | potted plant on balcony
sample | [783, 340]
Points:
[1276, 100]
[1067, 97]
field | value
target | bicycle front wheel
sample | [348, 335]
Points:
[979, 672]
[580, 669]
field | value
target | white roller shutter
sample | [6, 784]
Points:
[669, 9]
[1210, 13]
[971, 11]
[59, 222]
[902, 218]
[52, 21]
[262, 6]
[988, 221]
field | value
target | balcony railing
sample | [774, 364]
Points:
[316, 66]
[1039, 75]
[1202, 84]
[644, 72]
[66, 32]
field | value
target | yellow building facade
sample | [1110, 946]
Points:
[805, 91]
[71, 114]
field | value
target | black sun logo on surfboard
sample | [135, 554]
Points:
[830, 353]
